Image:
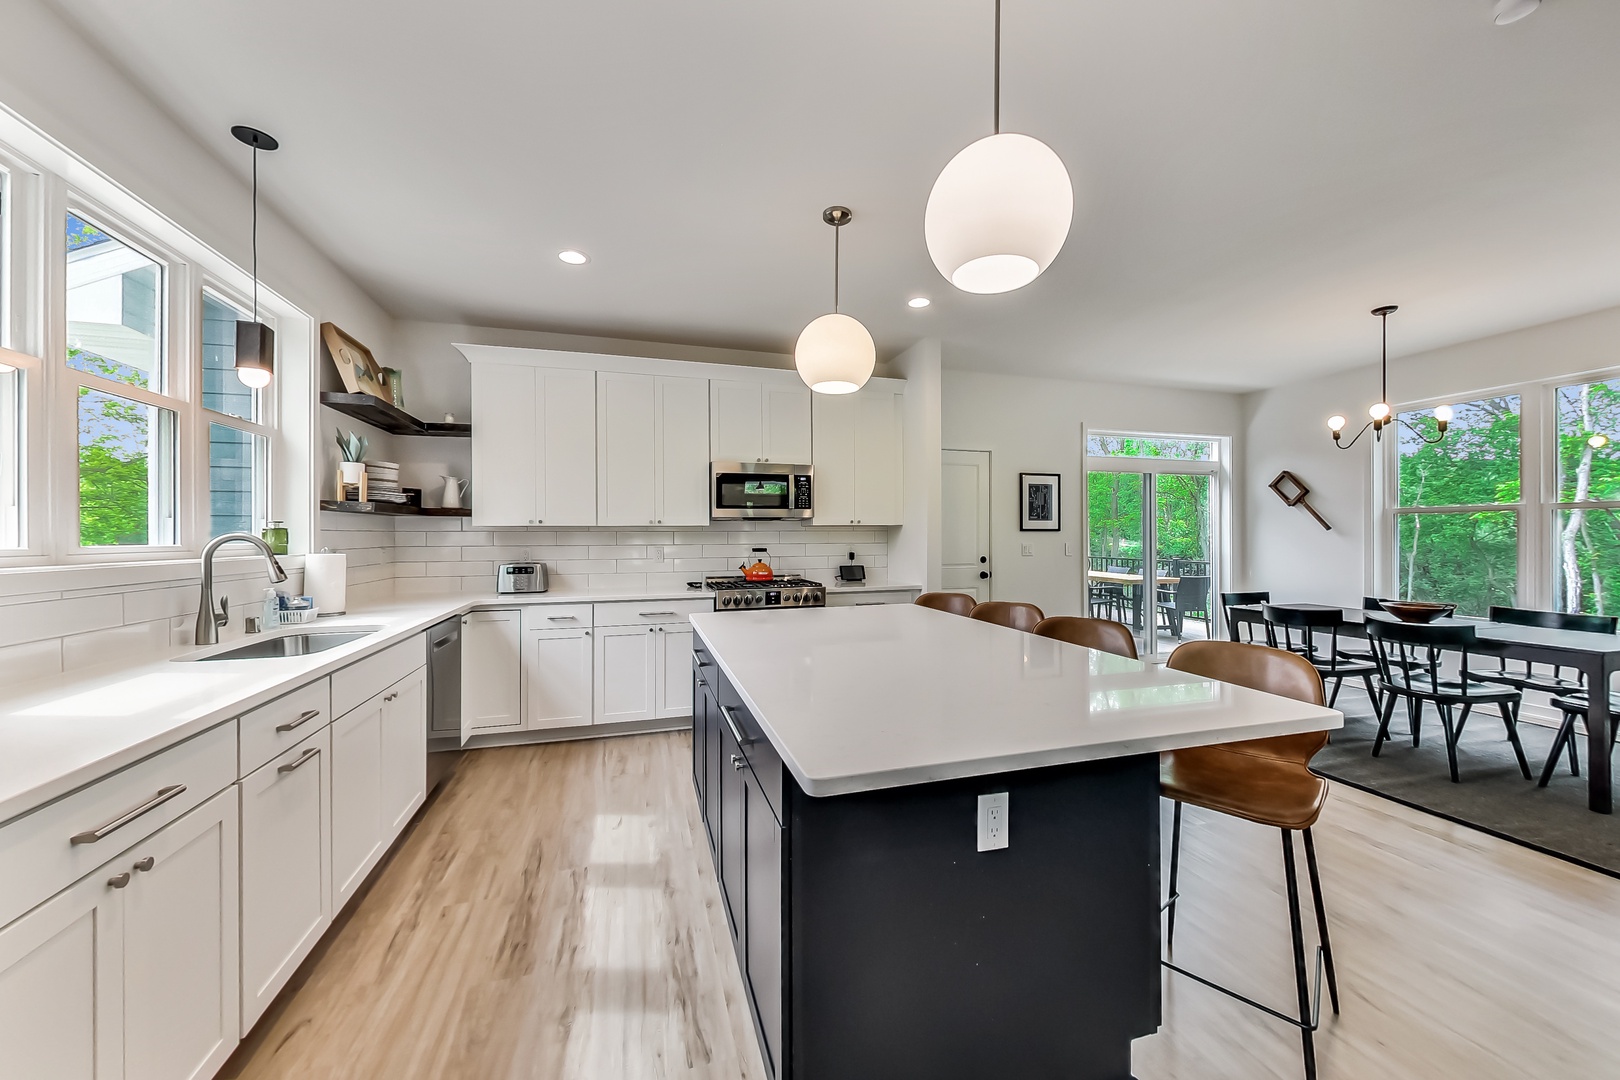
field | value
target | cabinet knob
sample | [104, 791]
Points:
[145, 864]
[736, 763]
[118, 881]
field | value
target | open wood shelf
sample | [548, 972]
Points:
[384, 416]
[387, 509]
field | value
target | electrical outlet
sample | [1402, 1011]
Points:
[656, 553]
[1026, 550]
[993, 821]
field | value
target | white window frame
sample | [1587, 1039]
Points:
[47, 182]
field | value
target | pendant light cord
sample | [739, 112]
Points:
[998, 69]
[255, 234]
[1384, 366]
[836, 231]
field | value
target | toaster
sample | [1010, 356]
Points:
[520, 577]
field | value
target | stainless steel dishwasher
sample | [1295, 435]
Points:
[444, 700]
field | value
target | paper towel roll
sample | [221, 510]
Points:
[326, 579]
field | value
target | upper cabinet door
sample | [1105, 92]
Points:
[834, 459]
[505, 444]
[736, 421]
[879, 460]
[567, 466]
[683, 451]
[787, 423]
[627, 448]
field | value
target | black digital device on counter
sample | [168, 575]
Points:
[856, 572]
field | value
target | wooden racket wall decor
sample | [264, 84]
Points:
[1292, 490]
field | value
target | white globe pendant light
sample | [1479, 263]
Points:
[1001, 209]
[835, 353]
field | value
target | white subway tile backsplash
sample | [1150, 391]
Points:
[59, 618]
[619, 551]
[128, 642]
[35, 660]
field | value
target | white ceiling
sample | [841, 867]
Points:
[1252, 175]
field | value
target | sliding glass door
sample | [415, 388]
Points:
[1152, 508]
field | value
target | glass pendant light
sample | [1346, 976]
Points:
[835, 353]
[1001, 209]
[255, 342]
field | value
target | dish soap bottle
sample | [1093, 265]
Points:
[270, 618]
[275, 534]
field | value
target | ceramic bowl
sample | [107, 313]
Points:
[1417, 611]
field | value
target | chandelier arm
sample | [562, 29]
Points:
[1419, 433]
[1352, 442]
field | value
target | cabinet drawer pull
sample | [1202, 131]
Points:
[392, 697]
[562, 618]
[303, 718]
[146, 864]
[301, 760]
[655, 614]
[731, 722]
[118, 881]
[90, 836]
[737, 762]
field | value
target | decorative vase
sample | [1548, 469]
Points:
[453, 487]
[351, 471]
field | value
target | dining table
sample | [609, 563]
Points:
[1596, 656]
[1134, 582]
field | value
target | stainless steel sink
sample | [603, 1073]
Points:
[305, 644]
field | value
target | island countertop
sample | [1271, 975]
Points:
[863, 698]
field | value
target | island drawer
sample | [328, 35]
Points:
[44, 852]
[283, 723]
[762, 757]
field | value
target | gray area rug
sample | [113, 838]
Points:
[1493, 795]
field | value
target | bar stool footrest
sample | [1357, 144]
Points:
[1315, 1021]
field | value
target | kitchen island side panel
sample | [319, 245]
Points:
[914, 954]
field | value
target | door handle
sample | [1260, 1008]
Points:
[301, 760]
[984, 558]
[146, 864]
[303, 718]
[90, 836]
[984, 573]
[731, 722]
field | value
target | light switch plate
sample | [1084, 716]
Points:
[993, 821]
[1027, 550]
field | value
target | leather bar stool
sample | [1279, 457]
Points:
[1104, 635]
[1009, 613]
[1266, 781]
[957, 603]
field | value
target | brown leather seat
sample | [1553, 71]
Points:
[957, 603]
[1263, 780]
[1009, 613]
[1104, 635]
[1267, 781]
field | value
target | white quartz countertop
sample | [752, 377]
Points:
[862, 698]
[66, 730]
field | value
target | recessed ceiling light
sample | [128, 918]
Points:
[1511, 11]
[572, 257]
[918, 302]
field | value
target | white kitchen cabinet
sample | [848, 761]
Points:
[533, 445]
[557, 677]
[869, 597]
[61, 985]
[673, 695]
[626, 673]
[182, 946]
[652, 450]
[858, 460]
[379, 756]
[491, 661]
[286, 868]
[763, 419]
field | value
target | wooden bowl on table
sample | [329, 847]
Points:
[1417, 611]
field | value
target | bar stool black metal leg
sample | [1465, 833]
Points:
[1321, 919]
[1301, 979]
[1175, 868]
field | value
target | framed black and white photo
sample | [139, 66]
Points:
[1038, 494]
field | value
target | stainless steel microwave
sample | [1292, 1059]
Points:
[761, 490]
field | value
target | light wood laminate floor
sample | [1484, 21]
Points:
[554, 914]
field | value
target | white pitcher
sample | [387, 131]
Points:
[453, 487]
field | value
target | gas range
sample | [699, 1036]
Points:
[733, 593]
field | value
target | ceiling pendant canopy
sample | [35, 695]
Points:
[1379, 411]
[835, 353]
[1001, 208]
[255, 342]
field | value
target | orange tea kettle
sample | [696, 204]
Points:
[760, 570]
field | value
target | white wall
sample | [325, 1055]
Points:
[915, 547]
[1033, 425]
[1286, 428]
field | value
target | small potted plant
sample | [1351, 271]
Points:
[352, 467]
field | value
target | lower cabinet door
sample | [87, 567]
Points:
[556, 678]
[182, 986]
[715, 750]
[62, 986]
[357, 835]
[490, 667]
[764, 919]
[734, 837]
[626, 663]
[674, 689]
[286, 868]
[404, 752]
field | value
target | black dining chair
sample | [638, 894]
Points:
[1303, 631]
[1574, 708]
[1107, 601]
[1543, 678]
[1230, 600]
[1409, 667]
[1187, 599]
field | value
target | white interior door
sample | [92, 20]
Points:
[966, 518]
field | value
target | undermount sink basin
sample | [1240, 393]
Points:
[279, 648]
